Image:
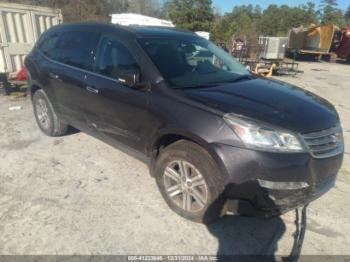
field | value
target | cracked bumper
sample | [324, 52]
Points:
[266, 184]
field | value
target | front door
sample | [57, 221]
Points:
[117, 111]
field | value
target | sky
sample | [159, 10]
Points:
[227, 5]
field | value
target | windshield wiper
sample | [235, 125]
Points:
[213, 84]
[236, 79]
[200, 85]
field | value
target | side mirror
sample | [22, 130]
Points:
[130, 77]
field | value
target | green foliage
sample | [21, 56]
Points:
[245, 21]
[277, 20]
[248, 22]
[97, 10]
[195, 15]
[330, 14]
[347, 16]
[242, 22]
[347, 13]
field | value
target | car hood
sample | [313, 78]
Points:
[270, 101]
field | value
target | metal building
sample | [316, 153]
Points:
[20, 27]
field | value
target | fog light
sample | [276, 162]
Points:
[282, 185]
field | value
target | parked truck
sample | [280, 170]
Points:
[20, 27]
[316, 40]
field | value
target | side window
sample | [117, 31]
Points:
[76, 48]
[47, 45]
[113, 58]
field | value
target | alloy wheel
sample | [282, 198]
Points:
[185, 186]
[42, 113]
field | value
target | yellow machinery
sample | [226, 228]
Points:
[314, 40]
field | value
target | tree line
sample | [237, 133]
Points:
[97, 10]
[246, 21]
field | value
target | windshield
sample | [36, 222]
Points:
[192, 62]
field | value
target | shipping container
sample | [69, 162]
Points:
[20, 27]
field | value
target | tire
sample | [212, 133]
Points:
[203, 178]
[47, 119]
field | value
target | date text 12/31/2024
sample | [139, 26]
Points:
[173, 258]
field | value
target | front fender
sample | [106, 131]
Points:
[179, 134]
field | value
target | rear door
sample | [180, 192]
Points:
[117, 111]
[71, 60]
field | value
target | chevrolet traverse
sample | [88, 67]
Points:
[217, 139]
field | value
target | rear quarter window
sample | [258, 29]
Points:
[47, 45]
[72, 48]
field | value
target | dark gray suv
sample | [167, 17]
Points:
[217, 139]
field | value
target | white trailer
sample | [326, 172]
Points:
[20, 27]
[273, 47]
[203, 34]
[129, 19]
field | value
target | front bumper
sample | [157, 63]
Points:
[265, 183]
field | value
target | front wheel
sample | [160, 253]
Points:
[190, 182]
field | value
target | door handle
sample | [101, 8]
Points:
[92, 90]
[54, 76]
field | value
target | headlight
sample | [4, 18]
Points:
[263, 137]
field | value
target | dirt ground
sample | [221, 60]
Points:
[77, 195]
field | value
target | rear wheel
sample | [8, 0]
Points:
[190, 182]
[47, 119]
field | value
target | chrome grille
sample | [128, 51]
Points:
[325, 143]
